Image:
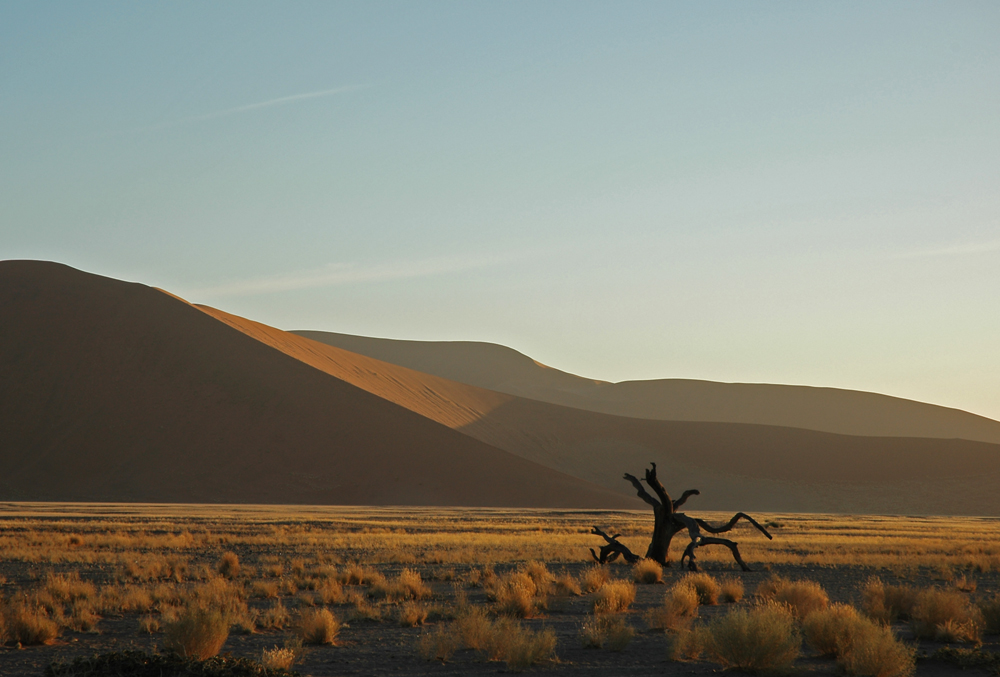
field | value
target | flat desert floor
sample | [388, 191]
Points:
[109, 577]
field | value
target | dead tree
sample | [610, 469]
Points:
[664, 524]
[667, 522]
[614, 548]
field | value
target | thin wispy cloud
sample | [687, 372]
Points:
[966, 249]
[347, 273]
[280, 101]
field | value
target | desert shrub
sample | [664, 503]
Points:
[439, 644]
[594, 577]
[412, 614]
[407, 585]
[827, 630]
[30, 625]
[515, 594]
[647, 572]
[802, 597]
[872, 650]
[355, 574]
[69, 588]
[278, 658]
[330, 591]
[604, 631]
[566, 585]
[263, 590]
[731, 590]
[990, 612]
[521, 648]
[763, 638]
[768, 588]
[540, 574]
[482, 578]
[164, 594]
[964, 584]
[319, 626]
[614, 597]
[274, 618]
[945, 615]
[687, 644]
[149, 624]
[81, 617]
[679, 609]
[275, 570]
[706, 587]
[229, 565]
[473, 628]
[197, 633]
[219, 594]
[887, 603]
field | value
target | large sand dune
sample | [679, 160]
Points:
[505, 370]
[735, 465]
[117, 392]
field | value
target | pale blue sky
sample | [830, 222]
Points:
[767, 192]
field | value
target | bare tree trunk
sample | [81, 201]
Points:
[664, 524]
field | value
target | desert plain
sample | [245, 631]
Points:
[398, 583]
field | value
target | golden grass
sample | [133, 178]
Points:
[763, 638]
[614, 597]
[229, 565]
[197, 633]
[647, 572]
[29, 625]
[565, 585]
[319, 626]
[872, 650]
[989, 609]
[827, 630]
[278, 658]
[678, 611]
[704, 585]
[439, 644]
[516, 594]
[802, 597]
[946, 615]
[731, 590]
[412, 614]
[887, 603]
[606, 632]
[594, 577]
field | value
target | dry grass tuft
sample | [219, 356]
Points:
[263, 590]
[197, 633]
[990, 612]
[614, 597]
[678, 611]
[802, 597]
[647, 572]
[515, 594]
[274, 618]
[763, 638]
[412, 614]
[521, 648]
[731, 590]
[704, 585]
[872, 650]
[887, 603]
[687, 644]
[319, 626]
[29, 625]
[440, 644]
[610, 632]
[407, 585]
[229, 565]
[149, 624]
[566, 586]
[827, 630]
[473, 629]
[946, 616]
[66, 588]
[540, 574]
[278, 658]
[594, 578]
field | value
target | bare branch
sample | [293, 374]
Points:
[657, 487]
[732, 523]
[684, 497]
[641, 490]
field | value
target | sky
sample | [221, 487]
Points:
[772, 192]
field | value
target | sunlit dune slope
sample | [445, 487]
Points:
[115, 391]
[847, 412]
[735, 465]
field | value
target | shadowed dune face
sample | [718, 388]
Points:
[846, 412]
[117, 392]
[737, 466]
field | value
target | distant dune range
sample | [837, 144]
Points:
[117, 392]
[848, 412]
[135, 387]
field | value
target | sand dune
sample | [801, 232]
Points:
[115, 391]
[847, 412]
[737, 466]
